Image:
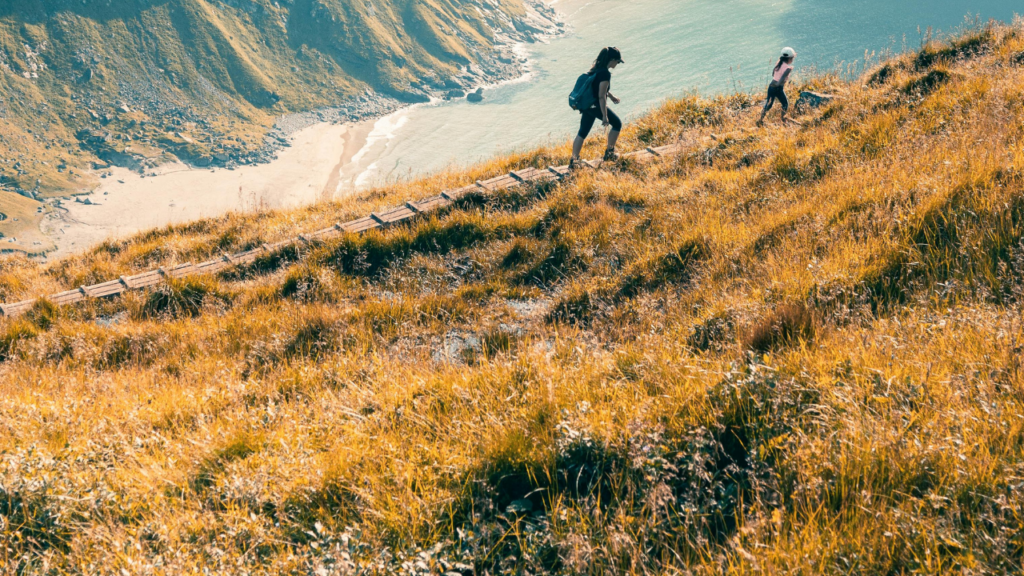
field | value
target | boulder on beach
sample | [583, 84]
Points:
[452, 94]
[477, 96]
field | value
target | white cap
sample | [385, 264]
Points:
[788, 52]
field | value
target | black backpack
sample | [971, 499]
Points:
[582, 95]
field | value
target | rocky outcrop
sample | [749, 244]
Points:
[813, 99]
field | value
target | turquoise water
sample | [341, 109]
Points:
[671, 47]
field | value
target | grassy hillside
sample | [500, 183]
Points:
[137, 83]
[785, 351]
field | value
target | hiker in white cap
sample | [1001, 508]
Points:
[777, 89]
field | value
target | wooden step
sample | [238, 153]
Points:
[17, 308]
[106, 289]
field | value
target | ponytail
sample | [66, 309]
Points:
[779, 65]
[605, 57]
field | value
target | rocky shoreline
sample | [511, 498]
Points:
[134, 123]
[502, 64]
[142, 128]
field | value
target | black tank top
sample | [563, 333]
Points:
[600, 75]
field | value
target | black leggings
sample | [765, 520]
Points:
[776, 93]
[590, 116]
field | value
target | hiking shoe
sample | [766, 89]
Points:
[575, 165]
[610, 156]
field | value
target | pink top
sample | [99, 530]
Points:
[780, 74]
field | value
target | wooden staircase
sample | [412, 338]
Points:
[383, 219]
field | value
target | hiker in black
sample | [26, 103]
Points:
[777, 88]
[607, 60]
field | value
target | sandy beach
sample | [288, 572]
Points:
[323, 161]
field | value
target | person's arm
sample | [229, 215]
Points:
[602, 100]
[785, 77]
[613, 98]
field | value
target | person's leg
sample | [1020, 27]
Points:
[768, 103]
[586, 125]
[577, 147]
[785, 104]
[613, 134]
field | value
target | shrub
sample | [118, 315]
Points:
[519, 253]
[15, 332]
[712, 334]
[783, 326]
[499, 340]
[675, 267]
[309, 282]
[242, 445]
[968, 46]
[314, 338]
[576, 309]
[560, 261]
[883, 74]
[926, 83]
[33, 506]
[183, 298]
[264, 264]
[139, 349]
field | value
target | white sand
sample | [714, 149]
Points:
[318, 165]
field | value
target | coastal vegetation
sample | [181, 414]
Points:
[786, 350]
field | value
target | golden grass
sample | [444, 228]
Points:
[786, 351]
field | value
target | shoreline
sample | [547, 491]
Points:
[312, 157]
[127, 202]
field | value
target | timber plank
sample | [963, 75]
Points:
[433, 203]
[146, 279]
[499, 183]
[525, 175]
[326, 232]
[67, 297]
[361, 225]
[105, 289]
[16, 308]
[182, 270]
[212, 266]
[398, 214]
[460, 192]
[667, 150]
[248, 256]
[275, 246]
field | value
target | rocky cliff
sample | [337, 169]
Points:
[87, 83]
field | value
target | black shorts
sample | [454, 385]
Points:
[776, 93]
[592, 115]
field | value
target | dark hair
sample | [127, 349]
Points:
[781, 60]
[606, 57]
